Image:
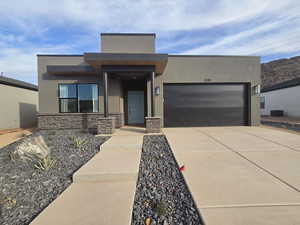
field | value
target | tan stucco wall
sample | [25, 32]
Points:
[18, 107]
[180, 69]
[218, 69]
[128, 43]
[48, 84]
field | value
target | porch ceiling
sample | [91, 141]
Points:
[159, 61]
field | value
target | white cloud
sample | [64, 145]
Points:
[132, 15]
[21, 63]
[279, 31]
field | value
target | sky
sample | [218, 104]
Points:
[268, 28]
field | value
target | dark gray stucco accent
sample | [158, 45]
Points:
[17, 83]
[125, 56]
[53, 69]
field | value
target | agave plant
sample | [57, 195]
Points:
[78, 143]
[45, 164]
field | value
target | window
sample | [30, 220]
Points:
[262, 102]
[78, 98]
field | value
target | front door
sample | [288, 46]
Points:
[136, 111]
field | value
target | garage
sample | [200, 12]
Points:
[191, 105]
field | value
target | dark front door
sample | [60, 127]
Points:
[135, 107]
[205, 105]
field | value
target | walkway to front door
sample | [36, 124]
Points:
[136, 112]
[105, 185]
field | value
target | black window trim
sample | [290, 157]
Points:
[77, 105]
[262, 103]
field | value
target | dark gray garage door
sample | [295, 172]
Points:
[205, 105]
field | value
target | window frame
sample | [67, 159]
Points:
[77, 98]
[263, 103]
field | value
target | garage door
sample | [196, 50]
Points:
[205, 105]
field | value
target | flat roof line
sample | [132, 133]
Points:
[178, 55]
[17, 83]
[55, 55]
[128, 34]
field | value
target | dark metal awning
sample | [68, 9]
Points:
[159, 61]
[58, 69]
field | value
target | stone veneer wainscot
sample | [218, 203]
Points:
[153, 124]
[75, 120]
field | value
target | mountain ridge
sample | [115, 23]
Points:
[280, 70]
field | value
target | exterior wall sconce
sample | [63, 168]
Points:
[257, 89]
[157, 91]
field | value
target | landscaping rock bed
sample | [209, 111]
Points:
[26, 188]
[162, 196]
[289, 126]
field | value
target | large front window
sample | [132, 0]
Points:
[78, 98]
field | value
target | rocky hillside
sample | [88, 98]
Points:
[277, 71]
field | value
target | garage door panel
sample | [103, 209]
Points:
[204, 105]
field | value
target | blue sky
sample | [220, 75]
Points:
[269, 28]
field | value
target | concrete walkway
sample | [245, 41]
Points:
[241, 175]
[103, 189]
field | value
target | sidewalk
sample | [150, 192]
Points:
[103, 189]
[11, 135]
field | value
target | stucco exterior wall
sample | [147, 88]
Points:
[48, 84]
[18, 107]
[180, 69]
[286, 99]
[213, 69]
[127, 43]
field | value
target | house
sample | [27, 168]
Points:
[19, 103]
[128, 83]
[282, 96]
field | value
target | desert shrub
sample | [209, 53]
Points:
[7, 201]
[79, 143]
[45, 164]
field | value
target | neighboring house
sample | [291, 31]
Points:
[283, 96]
[18, 102]
[129, 82]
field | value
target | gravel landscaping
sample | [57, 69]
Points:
[289, 126]
[27, 187]
[162, 196]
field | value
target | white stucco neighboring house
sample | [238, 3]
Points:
[283, 96]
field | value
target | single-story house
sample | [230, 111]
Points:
[19, 104]
[282, 96]
[128, 83]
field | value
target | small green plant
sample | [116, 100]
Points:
[161, 208]
[7, 202]
[13, 156]
[78, 143]
[45, 164]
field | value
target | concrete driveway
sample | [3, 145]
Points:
[241, 175]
